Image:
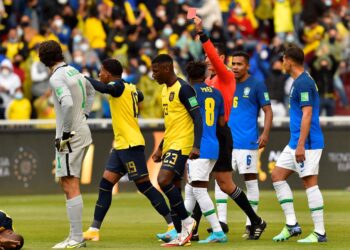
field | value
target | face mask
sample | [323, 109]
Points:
[24, 24]
[58, 23]
[148, 52]
[216, 35]
[19, 32]
[264, 54]
[181, 21]
[84, 47]
[77, 39]
[290, 38]
[78, 59]
[332, 39]
[167, 31]
[18, 95]
[150, 75]
[12, 40]
[238, 11]
[159, 43]
[5, 72]
[142, 69]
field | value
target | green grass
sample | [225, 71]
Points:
[132, 223]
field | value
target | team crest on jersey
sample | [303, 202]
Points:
[246, 92]
[171, 96]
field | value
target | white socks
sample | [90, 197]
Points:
[252, 195]
[75, 213]
[190, 200]
[315, 201]
[285, 198]
[207, 207]
[221, 203]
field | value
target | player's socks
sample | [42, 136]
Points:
[156, 199]
[176, 220]
[253, 196]
[75, 214]
[207, 207]
[241, 199]
[285, 198]
[315, 201]
[190, 200]
[175, 200]
[221, 203]
[103, 202]
[197, 215]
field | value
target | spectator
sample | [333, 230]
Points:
[9, 83]
[19, 108]
[283, 18]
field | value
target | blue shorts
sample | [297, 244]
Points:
[174, 160]
[131, 161]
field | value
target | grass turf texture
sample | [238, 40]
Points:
[132, 223]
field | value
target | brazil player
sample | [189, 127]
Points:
[250, 96]
[223, 79]
[182, 138]
[73, 99]
[8, 238]
[303, 152]
[127, 155]
[212, 111]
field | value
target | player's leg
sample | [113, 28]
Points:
[284, 168]
[68, 168]
[114, 170]
[315, 200]
[221, 205]
[174, 165]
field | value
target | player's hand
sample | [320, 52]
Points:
[8, 244]
[60, 143]
[263, 140]
[300, 154]
[157, 156]
[198, 24]
[194, 153]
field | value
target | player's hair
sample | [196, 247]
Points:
[241, 54]
[162, 58]
[50, 53]
[196, 70]
[221, 48]
[113, 66]
[296, 54]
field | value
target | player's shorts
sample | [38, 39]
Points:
[309, 167]
[70, 163]
[174, 160]
[224, 162]
[131, 161]
[200, 169]
[245, 161]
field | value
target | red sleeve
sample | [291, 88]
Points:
[221, 71]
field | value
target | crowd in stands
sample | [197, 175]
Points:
[134, 31]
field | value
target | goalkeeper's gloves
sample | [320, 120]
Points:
[60, 143]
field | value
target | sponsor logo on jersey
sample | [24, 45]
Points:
[171, 96]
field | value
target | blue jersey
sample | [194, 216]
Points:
[304, 93]
[211, 107]
[249, 97]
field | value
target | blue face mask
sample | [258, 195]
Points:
[167, 31]
[18, 95]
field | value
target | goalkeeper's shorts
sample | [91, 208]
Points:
[70, 163]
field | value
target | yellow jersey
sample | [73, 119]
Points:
[124, 111]
[179, 128]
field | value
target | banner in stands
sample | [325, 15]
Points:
[27, 160]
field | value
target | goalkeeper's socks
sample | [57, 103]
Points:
[156, 198]
[75, 213]
[103, 202]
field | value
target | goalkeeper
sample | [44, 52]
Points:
[73, 99]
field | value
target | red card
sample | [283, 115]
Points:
[191, 13]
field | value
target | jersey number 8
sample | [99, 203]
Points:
[209, 111]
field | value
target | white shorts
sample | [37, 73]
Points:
[308, 167]
[200, 169]
[70, 164]
[245, 161]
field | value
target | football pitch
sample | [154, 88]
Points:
[132, 223]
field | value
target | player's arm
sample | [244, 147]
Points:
[116, 89]
[188, 98]
[90, 94]
[64, 98]
[218, 64]
[221, 119]
[305, 97]
[157, 156]
[264, 102]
